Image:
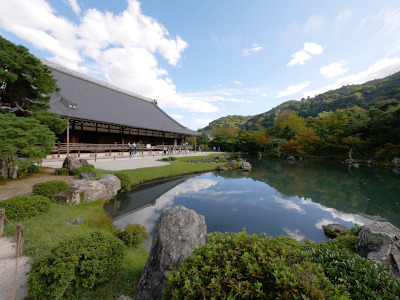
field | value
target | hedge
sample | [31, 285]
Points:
[84, 261]
[22, 207]
[49, 188]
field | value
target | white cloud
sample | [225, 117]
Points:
[293, 89]
[122, 48]
[300, 57]
[380, 69]
[296, 234]
[314, 24]
[237, 82]
[342, 18]
[334, 69]
[382, 23]
[176, 116]
[255, 48]
[203, 121]
[289, 205]
[75, 6]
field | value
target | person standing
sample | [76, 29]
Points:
[130, 148]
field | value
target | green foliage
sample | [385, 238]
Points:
[363, 278]
[49, 188]
[85, 261]
[33, 169]
[171, 158]
[347, 242]
[62, 171]
[25, 79]
[225, 122]
[23, 137]
[25, 166]
[53, 121]
[126, 182]
[132, 235]
[22, 207]
[239, 266]
[86, 168]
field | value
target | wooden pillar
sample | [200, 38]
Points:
[68, 138]
[20, 239]
[2, 218]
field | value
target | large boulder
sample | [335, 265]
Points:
[70, 197]
[71, 162]
[178, 231]
[380, 242]
[246, 166]
[396, 161]
[105, 188]
[334, 230]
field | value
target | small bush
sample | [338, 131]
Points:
[49, 188]
[239, 266]
[23, 165]
[133, 234]
[86, 168]
[363, 278]
[171, 158]
[126, 182]
[22, 207]
[84, 261]
[62, 171]
[33, 169]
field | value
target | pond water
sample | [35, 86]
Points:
[277, 198]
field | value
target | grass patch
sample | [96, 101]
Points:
[175, 168]
[43, 232]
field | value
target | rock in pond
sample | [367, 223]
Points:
[177, 233]
[334, 230]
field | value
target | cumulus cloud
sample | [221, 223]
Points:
[75, 6]
[380, 69]
[296, 234]
[300, 57]
[255, 48]
[334, 69]
[204, 122]
[176, 116]
[293, 89]
[123, 48]
[289, 205]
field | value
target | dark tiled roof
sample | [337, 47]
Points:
[98, 101]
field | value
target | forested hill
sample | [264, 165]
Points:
[363, 95]
[235, 120]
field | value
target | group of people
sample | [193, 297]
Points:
[132, 148]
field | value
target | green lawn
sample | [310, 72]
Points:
[43, 232]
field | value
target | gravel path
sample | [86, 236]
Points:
[8, 250]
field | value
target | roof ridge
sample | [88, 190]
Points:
[76, 74]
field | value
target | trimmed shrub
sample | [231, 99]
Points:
[239, 266]
[86, 168]
[126, 182]
[22, 207]
[364, 279]
[49, 188]
[133, 234]
[84, 261]
[62, 171]
[33, 169]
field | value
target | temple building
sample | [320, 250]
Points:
[100, 113]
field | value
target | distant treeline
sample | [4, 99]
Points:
[363, 119]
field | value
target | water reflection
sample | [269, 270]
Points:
[275, 198]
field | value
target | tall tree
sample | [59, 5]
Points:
[22, 137]
[25, 82]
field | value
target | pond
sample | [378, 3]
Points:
[276, 197]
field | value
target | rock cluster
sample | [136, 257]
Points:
[178, 231]
[72, 162]
[104, 188]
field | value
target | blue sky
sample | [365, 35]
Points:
[203, 60]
